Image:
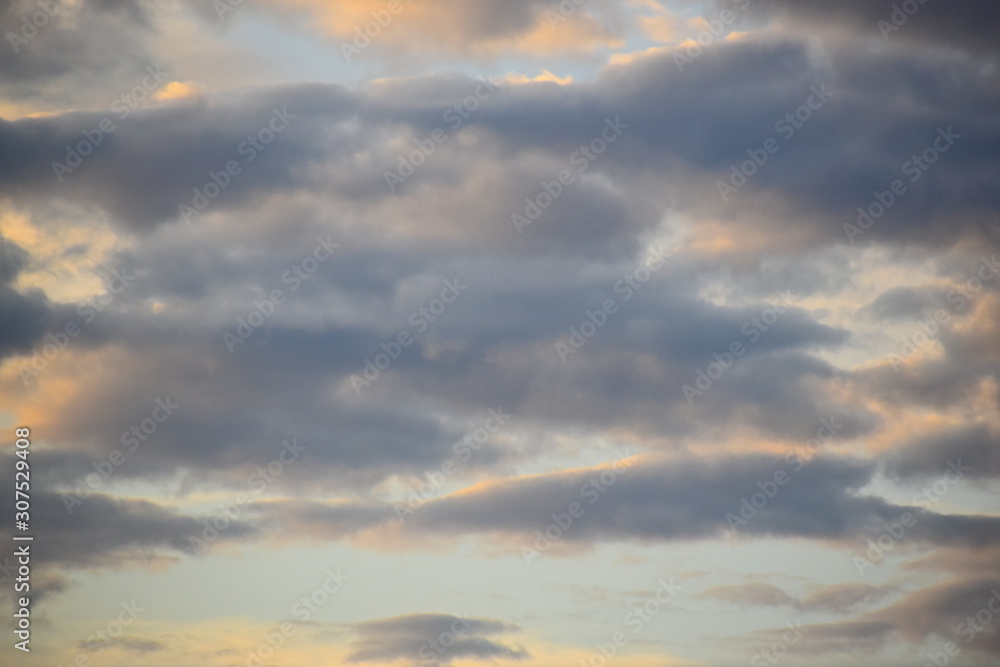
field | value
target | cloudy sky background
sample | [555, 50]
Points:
[865, 379]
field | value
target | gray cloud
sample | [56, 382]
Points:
[108, 531]
[24, 316]
[975, 446]
[946, 612]
[432, 639]
[86, 52]
[140, 645]
[665, 500]
[907, 303]
[839, 598]
[962, 24]
[161, 154]
[324, 177]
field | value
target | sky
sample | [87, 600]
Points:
[514, 333]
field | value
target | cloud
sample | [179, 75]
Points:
[960, 24]
[137, 645]
[907, 302]
[140, 645]
[432, 639]
[753, 594]
[162, 154]
[976, 447]
[74, 52]
[24, 315]
[846, 597]
[452, 27]
[110, 532]
[946, 612]
[839, 598]
[205, 264]
[671, 499]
